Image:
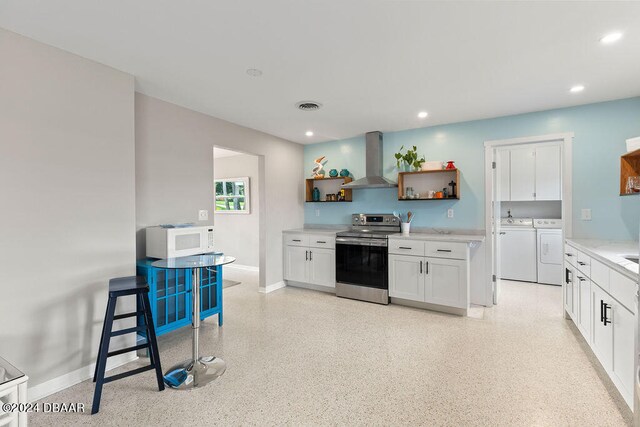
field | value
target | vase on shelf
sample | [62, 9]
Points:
[316, 194]
[344, 173]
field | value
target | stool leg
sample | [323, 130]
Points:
[154, 354]
[95, 372]
[104, 351]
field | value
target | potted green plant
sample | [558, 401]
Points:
[409, 159]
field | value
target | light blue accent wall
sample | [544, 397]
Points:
[600, 133]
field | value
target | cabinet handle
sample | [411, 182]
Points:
[427, 264]
[605, 318]
[443, 250]
[320, 241]
[582, 279]
[404, 247]
[310, 256]
[503, 232]
[567, 272]
[420, 267]
[297, 240]
[601, 311]
[568, 254]
[306, 255]
[582, 263]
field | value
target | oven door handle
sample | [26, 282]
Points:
[352, 241]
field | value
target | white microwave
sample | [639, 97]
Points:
[171, 242]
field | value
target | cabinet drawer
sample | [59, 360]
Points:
[600, 274]
[449, 250]
[584, 263]
[570, 255]
[320, 241]
[406, 247]
[296, 239]
[623, 289]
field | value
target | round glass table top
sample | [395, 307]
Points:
[195, 261]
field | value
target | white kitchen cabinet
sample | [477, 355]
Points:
[547, 173]
[583, 311]
[296, 263]
[446, 282]
[503, 172]
[322, 267]
[622, 323]
[310, 259]
[602, 338]
[406, 280]
[523, 174]
[529, 173]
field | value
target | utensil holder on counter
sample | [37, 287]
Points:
[405, 227]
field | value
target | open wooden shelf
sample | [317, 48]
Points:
[336, 183]
[434, 180]
[629, 166]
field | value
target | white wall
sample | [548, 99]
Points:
[67, 203]
[238, 234]
[174, 172]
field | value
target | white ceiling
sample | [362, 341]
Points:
[218, 153]
[373, 64]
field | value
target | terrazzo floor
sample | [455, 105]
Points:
[300, 357]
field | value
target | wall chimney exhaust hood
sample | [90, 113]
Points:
[373, 178]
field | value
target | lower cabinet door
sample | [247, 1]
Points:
[406, 278]
[602, 335]
[322, 267]
[622, 321]
[583, 312]
[446, 282]
[296, 263]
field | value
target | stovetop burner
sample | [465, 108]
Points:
[372, 226]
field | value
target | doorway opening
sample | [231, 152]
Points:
[236, 213]
[527, 212]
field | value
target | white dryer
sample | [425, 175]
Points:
[549, 238]
[517, 249]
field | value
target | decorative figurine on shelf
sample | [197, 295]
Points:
[344, 173]
[453, 184]
[450, 165]
[316, 194]
[318, 171]
[333, 173]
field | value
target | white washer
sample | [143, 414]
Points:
[518, 250]
[549, 239]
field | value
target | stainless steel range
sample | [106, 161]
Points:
[362, 257]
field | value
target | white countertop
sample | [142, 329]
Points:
[440, 237]
[611, 253]
[323, 231]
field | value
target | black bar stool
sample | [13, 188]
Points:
[119, 287]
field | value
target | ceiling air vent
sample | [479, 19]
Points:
[308, 105]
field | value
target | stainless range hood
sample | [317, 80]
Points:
[374, 178]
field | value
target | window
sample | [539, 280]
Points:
[232, 195]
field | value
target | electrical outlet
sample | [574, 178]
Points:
[317, 212]
[450, 213]
[203, 215]
[586, 215]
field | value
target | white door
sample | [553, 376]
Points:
[446, 282]
[569, 278]
[296, 263]
[602, 335]
[322, 267]
[523, 173]
[623, 347]
[518, 260]
[406, 277]
[548, 174]
[503, 172]
[583, 310]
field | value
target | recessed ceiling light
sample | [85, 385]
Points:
[611, 38]
[254, 72]
[309, 133]
[422, 114]
[576, 89]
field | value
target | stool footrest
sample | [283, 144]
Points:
[129, 373]
[128, 349]
[125, 315]
[129, 331]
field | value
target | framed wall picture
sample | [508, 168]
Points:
[232, 195]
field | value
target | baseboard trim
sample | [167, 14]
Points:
[242, 267]
[272, 287]
[57, 384]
